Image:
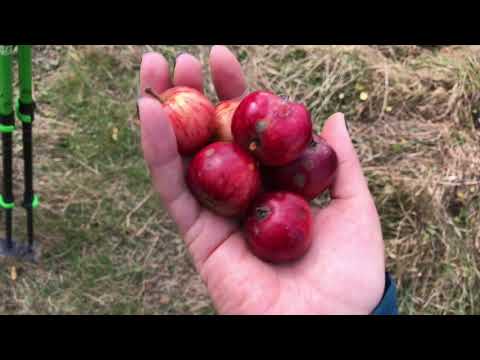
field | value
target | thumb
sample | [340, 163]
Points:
[350, 181]
[165, 164]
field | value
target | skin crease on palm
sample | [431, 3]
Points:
[344, 271]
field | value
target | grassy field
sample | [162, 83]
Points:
[109, 248]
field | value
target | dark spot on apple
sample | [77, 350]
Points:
[262, 212]
[313, 143]
[261, 126]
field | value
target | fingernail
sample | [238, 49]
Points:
[342, 116]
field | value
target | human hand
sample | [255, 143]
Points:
[344, 271]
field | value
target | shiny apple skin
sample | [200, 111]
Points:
[278, 227]
[310, 175]
[224, 178]
[192, 117]
[275, 130]
[223, 119]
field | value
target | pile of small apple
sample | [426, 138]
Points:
[255, 159]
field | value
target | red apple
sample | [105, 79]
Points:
[192, 117]
[279, 227]
[224, 178]
[310, 175]
[275, 130]
[223, 119]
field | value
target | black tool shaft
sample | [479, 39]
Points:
[28, 178]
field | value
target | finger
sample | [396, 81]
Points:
[350, 181]
[227, 73]
[166, 167]
[188, 72]
[154, 74]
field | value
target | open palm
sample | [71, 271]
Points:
[343, 273]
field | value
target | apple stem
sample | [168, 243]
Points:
[152, 93]
[313, 143]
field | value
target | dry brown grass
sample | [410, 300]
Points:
[109, 248]
[416, 137]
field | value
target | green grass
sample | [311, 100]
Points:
[109, 247]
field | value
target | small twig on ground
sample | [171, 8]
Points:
[385, 96]
[147, 223]
[140, 204]
[94, 171]
[150, 250]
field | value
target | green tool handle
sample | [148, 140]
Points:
[25, 73]
[6, 85]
